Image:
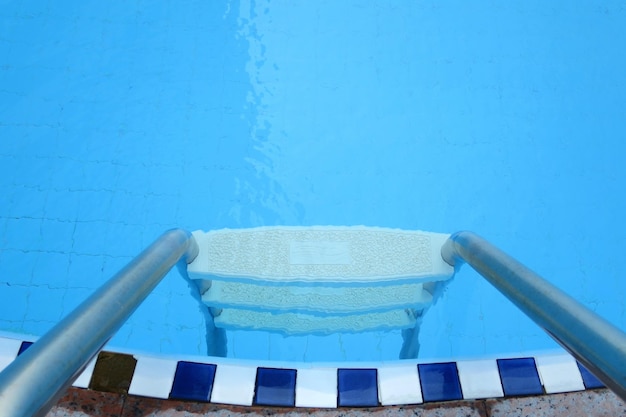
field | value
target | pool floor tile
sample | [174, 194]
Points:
[519, 376]
[193, 381]
[357, 387]
[275, 387]
[440, 381]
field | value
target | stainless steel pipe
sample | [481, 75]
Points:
[35, 380]
[593, 341]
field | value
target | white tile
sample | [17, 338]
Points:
[559, 373]
[399, 385]
[480, 379]
[8, 351]
[234, 384]
[85, 377]
[153, 377]
[316, 387]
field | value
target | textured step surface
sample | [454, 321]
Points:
[320, 254]
[299, 323]
[319, 299]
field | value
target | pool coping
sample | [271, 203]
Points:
[78, 402]
[321, 385]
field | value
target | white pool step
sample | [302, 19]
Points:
[299, 323]
[318, 279]
[320, 254]
[316, 299]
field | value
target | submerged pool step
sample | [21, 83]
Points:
[316, 299]
[300, 323]
[338, 254]
[318, 279]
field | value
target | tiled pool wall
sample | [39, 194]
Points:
[120, 121]
[279, 384]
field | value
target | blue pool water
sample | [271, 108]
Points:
[119, 121]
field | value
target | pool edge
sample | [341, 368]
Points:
[300, 386]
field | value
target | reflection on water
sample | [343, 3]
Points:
[259, 196]
[415, 116]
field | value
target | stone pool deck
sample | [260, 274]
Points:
[590, 403]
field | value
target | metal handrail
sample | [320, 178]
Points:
[36, 379]
[593, 341]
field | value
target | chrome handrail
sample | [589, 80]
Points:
[593, 341]
[37, 378]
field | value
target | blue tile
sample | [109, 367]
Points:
[440, 381]
[357, 387]
[589, 379]
[23, 347]
[519, 376]
[276, 387]
[193, 381]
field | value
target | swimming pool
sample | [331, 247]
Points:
[120, 122]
